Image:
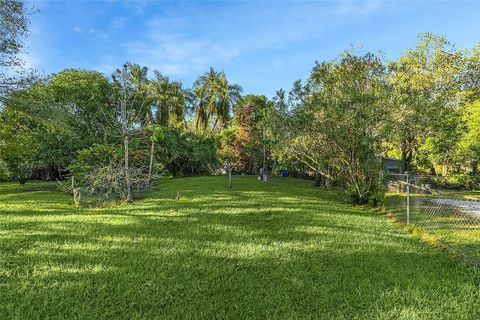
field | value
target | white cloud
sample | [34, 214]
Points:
[138, 6]
[118, 23]
[175, 53]
[358, 7]
[370, 7]
[278, 63]
[175, 69]
[185, 39]
[95, 34]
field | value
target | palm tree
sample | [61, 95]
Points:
[230, 94]
[177, 102]
[214, 97]
[170, 99]
[199, 102]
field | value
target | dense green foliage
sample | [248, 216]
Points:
[341, 123]
[14, 27]
[260, 250]
[44, 127]
[336, 126]
[212, 247]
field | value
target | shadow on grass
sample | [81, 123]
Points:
[287, 252]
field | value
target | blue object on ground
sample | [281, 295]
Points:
[284, 172]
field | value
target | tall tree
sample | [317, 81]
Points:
[14, 27]
[422, 81]
[35, 134]
[469, 146]
[341, 125]
[169, 100]
[252, 133]
[130, 98]
[83, 94]
[213, 100]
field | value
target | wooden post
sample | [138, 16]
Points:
[76, 194]
[229, 169]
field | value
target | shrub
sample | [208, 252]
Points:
[99, 175]
[94, 157]
[4, 174]
[186, 154]
[457, 182]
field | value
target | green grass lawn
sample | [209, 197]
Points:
[278, 249]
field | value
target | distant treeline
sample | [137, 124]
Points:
[337, 125]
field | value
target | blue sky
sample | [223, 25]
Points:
[262, 46]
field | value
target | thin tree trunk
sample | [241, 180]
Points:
[264, 156]
[444, 170]
[127, 171]
[199, 113]
[229, 168]
[474, 167]
[150, 166]
[326, 182]
[159, 113]
[403, 165]
[196, 123]
[318, 180]
[174, 169]
[125, 132]
[167, 115]
[214, 125]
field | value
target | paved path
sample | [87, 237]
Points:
[467, 206]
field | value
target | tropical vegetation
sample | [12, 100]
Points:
[111, 136]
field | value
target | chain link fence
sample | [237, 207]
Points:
[445, 218]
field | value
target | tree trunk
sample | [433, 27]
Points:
[150, 166]
[444, 170]
[407, 154]
[474, 167]
[200, 118]
[214, 125]
[127, 171]
[166, 119]
[318, 180]
[327, 183]
[403, 165]
[264, 151]
[174, 169]
[409, 159]
[125, 132]
[229, 168]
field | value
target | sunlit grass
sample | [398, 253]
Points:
[277, 249]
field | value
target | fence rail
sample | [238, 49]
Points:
[450, 221]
